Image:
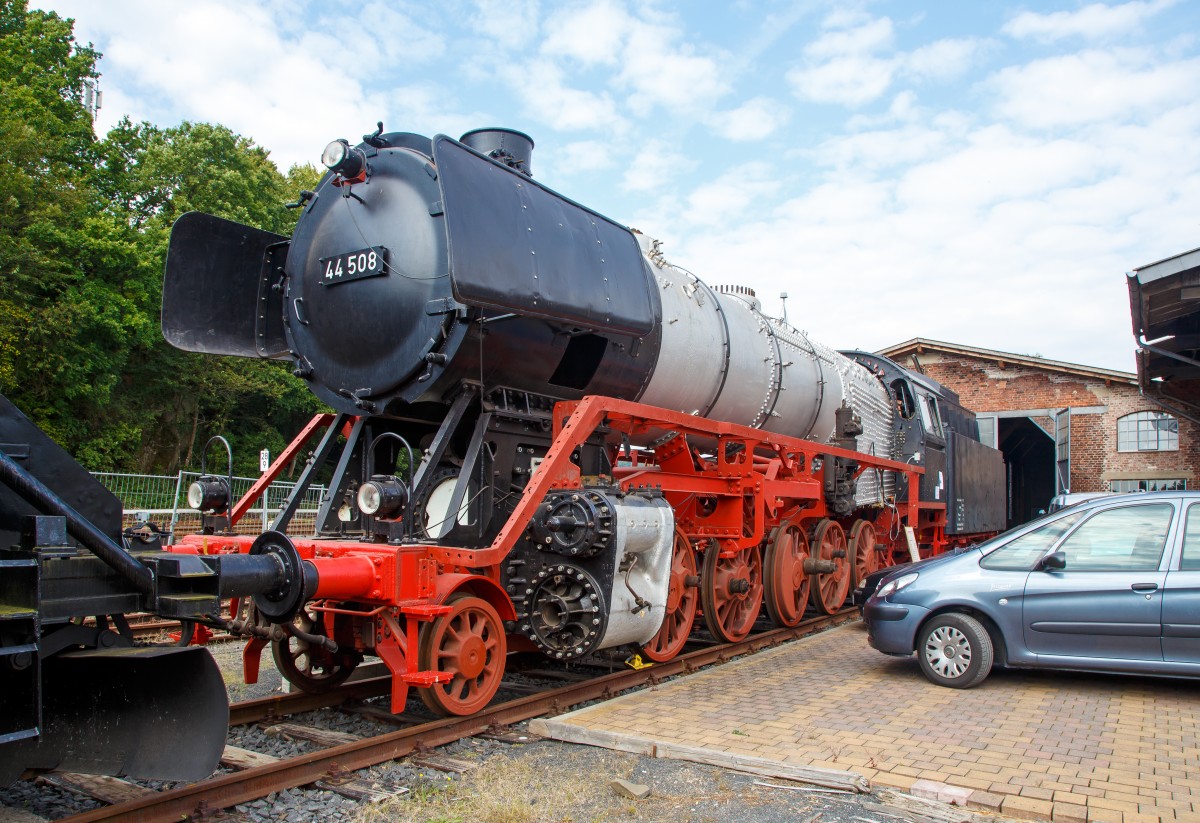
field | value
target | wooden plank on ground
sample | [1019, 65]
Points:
[443, 762]
[352, 787]
[322, 737]
[591, 737]
[239, 759]
[360, 790]
[930, 810]
[100, 787]
[507, 735]
[831, 778]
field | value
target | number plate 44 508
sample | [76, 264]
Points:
[353, 265]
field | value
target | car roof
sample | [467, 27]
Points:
[1104, 499]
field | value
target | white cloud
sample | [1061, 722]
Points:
[511, 24]
[857, 65]
[654, 62]
[542, 87]
[877, 149]
[403, 38]
[1091, 86]
[998, 165]
[942, 59]
[960, 227]
[253, 68]
[654, 166]
[1093, 22]
[591, 34]
[731, 195]
[661, 72]
[869, 37]
[850, 81]
[756, 119]
[584, 156]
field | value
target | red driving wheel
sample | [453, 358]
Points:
[731, 592]
[829, 590]
[787, 583]
[468, 642]
[863, 549]
[682, 599]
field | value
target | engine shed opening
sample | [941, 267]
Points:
[1028, 451]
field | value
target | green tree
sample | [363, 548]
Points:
[84, 227]
[64, 333]
[149, 177]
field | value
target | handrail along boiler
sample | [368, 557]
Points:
[545, 436]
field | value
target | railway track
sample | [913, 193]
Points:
[148, 627]
[267, 775]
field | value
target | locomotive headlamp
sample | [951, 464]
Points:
[341, 159]
[383, 496]
[209, 494]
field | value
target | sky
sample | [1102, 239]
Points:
[978, 173]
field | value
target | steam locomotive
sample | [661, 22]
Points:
[454, 311]
[544, 437]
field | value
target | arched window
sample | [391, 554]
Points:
[1147, 431]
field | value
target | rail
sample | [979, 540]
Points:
[226, 790]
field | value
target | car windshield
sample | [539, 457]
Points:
[1019, 554]
[993, 543]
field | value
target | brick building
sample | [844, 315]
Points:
[1062, 426]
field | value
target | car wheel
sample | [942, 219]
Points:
[955, 650]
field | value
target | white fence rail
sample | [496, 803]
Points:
[163, 499]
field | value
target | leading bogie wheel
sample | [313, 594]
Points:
[787, 583]
[955, 650]
[829, 545]
[731, 592]
[469, 643]
[307, 665]
[863, 549]
[682, 599]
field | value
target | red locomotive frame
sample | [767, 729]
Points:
[751, 528]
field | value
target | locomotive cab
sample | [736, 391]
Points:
[934, 430]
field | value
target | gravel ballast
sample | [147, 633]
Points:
[543, 780]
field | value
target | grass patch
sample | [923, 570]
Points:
[558, 784]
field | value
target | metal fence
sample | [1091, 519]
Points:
[163, 499]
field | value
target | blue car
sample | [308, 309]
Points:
[1109, 585]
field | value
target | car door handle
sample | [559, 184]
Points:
[1144, 587]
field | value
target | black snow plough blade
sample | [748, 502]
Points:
[121, 712]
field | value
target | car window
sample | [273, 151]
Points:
[1128, 538]
[1020, 554]
[1191, 540]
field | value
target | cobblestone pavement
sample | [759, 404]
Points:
[1034, 745]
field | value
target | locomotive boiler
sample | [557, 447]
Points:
[546, 435]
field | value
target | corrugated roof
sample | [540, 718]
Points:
[1164, 304]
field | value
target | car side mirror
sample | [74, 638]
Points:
[1055, 561]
